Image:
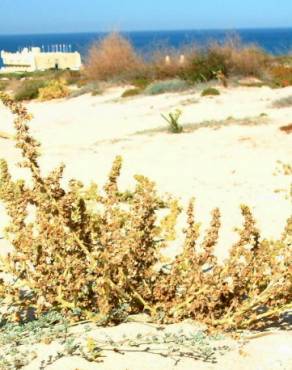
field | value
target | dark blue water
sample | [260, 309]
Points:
[276, 41]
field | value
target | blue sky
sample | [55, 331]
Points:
[45, 16]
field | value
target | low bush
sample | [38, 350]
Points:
[141, 82]
[210, 91]
[29, 90]
[114, 58]
[55, 89]
[281, 75]
[92, 88]
[72, 77]
[161, 87]
[205, 66]
[111, 57]
[131, 92]
[167, 63]
[223, 60]
[96, 255]
[238, 59]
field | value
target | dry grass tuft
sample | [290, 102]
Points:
[216, 60]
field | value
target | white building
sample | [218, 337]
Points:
[33, 59]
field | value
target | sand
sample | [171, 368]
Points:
[221, 167]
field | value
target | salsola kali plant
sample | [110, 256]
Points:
[96, 255]
[72, 257]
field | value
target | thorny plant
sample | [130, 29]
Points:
[94, 255]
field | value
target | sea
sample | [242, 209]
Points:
[276, 41]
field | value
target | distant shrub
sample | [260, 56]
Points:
[161, 87]
[283, 102]
[141, 82]
[29, 90]
[72, 77]
[281, 75]
[131, 92]
[230, 58]
[165, 64]
[210, 91]
[238, 59]
[55, 89]
[111, 57]
[92, 88]
[172, 120]
[205, 66]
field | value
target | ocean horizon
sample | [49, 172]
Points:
[273, 40]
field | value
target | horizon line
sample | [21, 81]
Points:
[145, 31]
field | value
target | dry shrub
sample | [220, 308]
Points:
[95, 254]
[189, 63]
[281, 75]
[111, 57]
[28, 90]
[241, 60]
[55, 89]
[165, 63]
[92, 88]
[72, 77]
[114, 57]
[168, 63]
[254, 284]
[217, 60]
